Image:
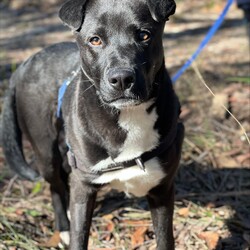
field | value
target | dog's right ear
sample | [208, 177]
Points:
[161, 9]
[72, 13]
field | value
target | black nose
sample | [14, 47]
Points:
[121, 79]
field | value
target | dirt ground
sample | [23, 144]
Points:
[212, 207]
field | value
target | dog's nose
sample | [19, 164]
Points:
[121, 79]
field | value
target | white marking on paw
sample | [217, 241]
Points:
[69, 215]
[65, 237]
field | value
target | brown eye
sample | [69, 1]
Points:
[95, 41]
[144, 36]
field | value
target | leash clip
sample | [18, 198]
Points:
[140, 164]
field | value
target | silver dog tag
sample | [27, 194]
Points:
[140, 164]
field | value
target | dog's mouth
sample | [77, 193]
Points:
[123, 98]
[123, 102]
[126, 100]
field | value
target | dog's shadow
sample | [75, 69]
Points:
[216, 188]
[222, 187]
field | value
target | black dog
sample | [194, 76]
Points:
[119, 114]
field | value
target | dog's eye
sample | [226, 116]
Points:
[95, 41]
[144, 36]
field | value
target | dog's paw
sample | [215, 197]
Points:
[57, 240]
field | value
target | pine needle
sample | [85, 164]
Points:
[196, 70]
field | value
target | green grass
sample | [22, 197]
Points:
[245, 80]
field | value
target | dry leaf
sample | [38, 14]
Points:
[137, 222]
[110, 226]
[19, 212]
[138, 236]
[210, 205]
[211, 239]
[104, 248]
[44, 229]
[185, 112]
[108, 217]
[242, 158]
[53, 241]
[217, 111]
[226, 161]
[184, 212]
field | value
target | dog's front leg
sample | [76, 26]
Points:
[82, 202]
[161, 202]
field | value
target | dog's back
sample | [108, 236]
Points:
[27, 105]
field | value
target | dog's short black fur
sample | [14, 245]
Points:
[119, 109]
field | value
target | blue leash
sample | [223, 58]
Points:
[62, 91]
[205, 41]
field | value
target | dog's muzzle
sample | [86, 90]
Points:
[124, 87]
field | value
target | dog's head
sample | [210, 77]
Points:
[120, 43]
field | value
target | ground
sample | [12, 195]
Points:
[213, 183]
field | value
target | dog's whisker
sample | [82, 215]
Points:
[88, 88]
[96, 78]
[88, 81]
[140, 64]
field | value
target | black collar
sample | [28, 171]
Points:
[161, 148]
[164, 145]
[139, 161]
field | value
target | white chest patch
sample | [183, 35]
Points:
[141, 137]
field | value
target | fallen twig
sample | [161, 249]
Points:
[214, 195]
[7, 192]
[223, 106]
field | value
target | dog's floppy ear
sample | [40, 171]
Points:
[72, 13]
[161, 9]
